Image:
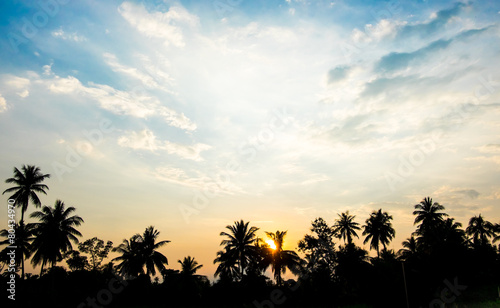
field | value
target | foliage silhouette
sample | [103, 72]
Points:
[345, 227]
[54, 233]
[28, 182]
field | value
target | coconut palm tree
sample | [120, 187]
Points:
[480, 230]
[497, 232]
[282, 259]
[54, 233]
[409, 250]
[428, 215]
[153, 257]
[345, 227]
[23, 238]
[189, 266]
[132, 260]
[227, 268]
[139, 252]
[28, 183]
[378, 230]
[239, 246]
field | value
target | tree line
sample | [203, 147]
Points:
[333, 270]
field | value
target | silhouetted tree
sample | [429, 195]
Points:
[75, 261]
[409, 250]
[97, 250]
[345, 227]
[282, 259]
[239, 247]
[428, 215]
[480, 230]
[141, 252]
[378, 229]
[319, 249]
[54, 233]
[189, 266]
[28, 184]
[227, 269]
[23, 238]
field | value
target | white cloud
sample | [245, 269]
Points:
[489, 148]
[143, 140]
[146, 140]
[47, 70]
[383, 29]
[3, 104]
[20, 84]
[131, 103]
[68, 36]
[189, 152]
[146, 78]
[166, 25]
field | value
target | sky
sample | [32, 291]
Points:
[190, 115]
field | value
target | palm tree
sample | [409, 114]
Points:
[132, 261]
[23, 238]
[282, 259]
[239, 245]
[54, 233]
[480, 230]
[497, 232]
[28, 184]
[428, 215]
[141, 252]
[189, 266]
[410, 249]
[345, 227]
[153, 257]
[378, 229]
[227, 268]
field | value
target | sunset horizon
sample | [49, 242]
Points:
[190, 116]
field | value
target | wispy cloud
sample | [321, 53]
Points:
[60, 33]
[145, 78]
[134, 104]
[401, 60]
[146, 140]
[166, 26]
[435, 24]
[3, 104]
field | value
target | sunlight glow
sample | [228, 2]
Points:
[271, 244]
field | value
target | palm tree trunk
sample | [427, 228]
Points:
[22, 266]
[241, 268]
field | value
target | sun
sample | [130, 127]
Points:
[271, 244]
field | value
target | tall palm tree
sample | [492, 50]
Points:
[239, 245]
[153, 257]
[54, 233]
[23, 238]
[428, 215]
[141, 251]
[282, 259]
[345, 227]
[28, 183]
[378, 230]
[189, 266]
[480, 230]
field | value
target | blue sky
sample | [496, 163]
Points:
[189, 115]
